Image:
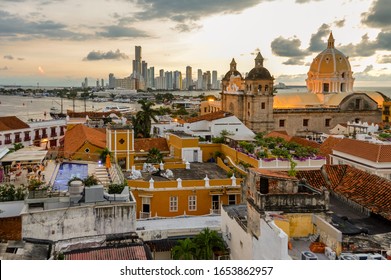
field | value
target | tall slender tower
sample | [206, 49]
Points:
[189, 81]
[137, 60]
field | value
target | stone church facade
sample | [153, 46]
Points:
[330, 99]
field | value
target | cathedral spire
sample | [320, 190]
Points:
[259, 60]
[233, 65]
[330, 44]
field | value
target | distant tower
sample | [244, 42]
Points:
[137, 60]
[102, 83]
[189, 80]
[144, 71]
[111, 80]
[214, 80]
[199, 79]
[85, 82]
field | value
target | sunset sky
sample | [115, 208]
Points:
[59, 42]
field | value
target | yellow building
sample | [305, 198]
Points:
[386, 111]
[197, 189]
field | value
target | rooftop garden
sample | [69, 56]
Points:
[271, 148]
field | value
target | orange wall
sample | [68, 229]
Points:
[178, 143]
[121, 134]
[208, 150]
[160, 202]
[93, 155]
[238, 156]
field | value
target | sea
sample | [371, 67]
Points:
[27, 107]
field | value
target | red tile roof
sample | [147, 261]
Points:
[298, 140]
[136, 252]
[79, 134]
[146, 144]
[210, 117]
[12, 123]
[364, 150]
[274, 174]
[368, 190]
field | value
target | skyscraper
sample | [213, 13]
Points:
[199, 79]
[214, 80]
[137, 60]
[111, 80]
[189, 80]
[144, 71]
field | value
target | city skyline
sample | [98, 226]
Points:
[58, 43]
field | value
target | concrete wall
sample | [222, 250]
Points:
[79, 221]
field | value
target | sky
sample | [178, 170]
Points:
[59, 42]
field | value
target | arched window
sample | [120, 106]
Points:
[259, 88]
[266, 88]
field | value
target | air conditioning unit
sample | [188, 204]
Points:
[347, 257]
[308, 255]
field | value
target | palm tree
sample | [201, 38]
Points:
[145, 116]
[184, 250]
[17, 146]
[154, 156]
[207, 242]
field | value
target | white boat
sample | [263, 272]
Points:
[118, 108]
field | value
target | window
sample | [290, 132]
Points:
[326, 87]
[305, 122]
[263, 105]
[266, 88]
[205, 109]
[282, 123]
[216, 203]
[7, 139]
[231, 199]
[17, 138]
[327, 122]
[248, 105]
[192, 203]
[173, 203]
[87, 150]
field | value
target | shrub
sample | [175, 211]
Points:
[116, 189]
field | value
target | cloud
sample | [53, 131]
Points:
[40, 70]
[189, 11]
[183, 27]
[5, 68]
[10, 57]
[291, 78]
[287, 47]
[316, 42]
[368, 69]
[306, 1]
[339, 23]
[378, 15]
[384, 59]
[367, 47]
[20, 58]
[294, 61]
[98, 55]
[116, 31]
[17, 27]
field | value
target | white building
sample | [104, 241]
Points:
[43, 133]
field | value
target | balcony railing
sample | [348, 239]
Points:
[28, 138]
[18, 140]
[145, 215]
[7, 142]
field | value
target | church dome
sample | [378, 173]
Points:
[330, 71]
[232, 71]
[259, 72]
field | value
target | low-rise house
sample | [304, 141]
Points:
[373, 158]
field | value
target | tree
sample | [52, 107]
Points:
[144, 117]
[17, 146]
[207, 242]
[184, 250]
[154, 156]
[103, 154]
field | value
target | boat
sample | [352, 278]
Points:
[118, 108]
[56, 113]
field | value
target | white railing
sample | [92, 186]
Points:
[145, 215]
[285, 164]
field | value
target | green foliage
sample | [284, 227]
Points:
[143, 121]
[182, 111]
[292, 169]
[248, 147]
[280, 153]
[230, 173]
[115, 188]
[218, 140]
[154, 156]
[245, 164]
[184, 250]
[17, 146]
[103, 154]
[201, 247]
[91, 180]
[12, 193]
[35, 184]
[385, 135]
[73, 179]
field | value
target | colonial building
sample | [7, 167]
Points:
[330, 98]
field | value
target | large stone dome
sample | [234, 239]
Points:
[232, 71]
[330, 71]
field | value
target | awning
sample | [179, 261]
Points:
[25, 155]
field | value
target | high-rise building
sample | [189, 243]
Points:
[169, 83]
[137, 60]
[214, 80]
[97, 83]
[85, 82]
[199, 79]
[189, 80]
[111, 80]
[144, 71]
[102, 83]
[177, 80]
[151, 77]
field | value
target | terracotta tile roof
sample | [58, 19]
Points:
[326, 148]
[274, 174]
[148, 143]
[79, 134]
[368, 190]
[314, 178]
[12, 123]
[365, 150]
[210, 117]
[136, 252]
[282, 134]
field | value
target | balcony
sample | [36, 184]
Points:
[7, 141]
[18, 140]
[145, 215]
